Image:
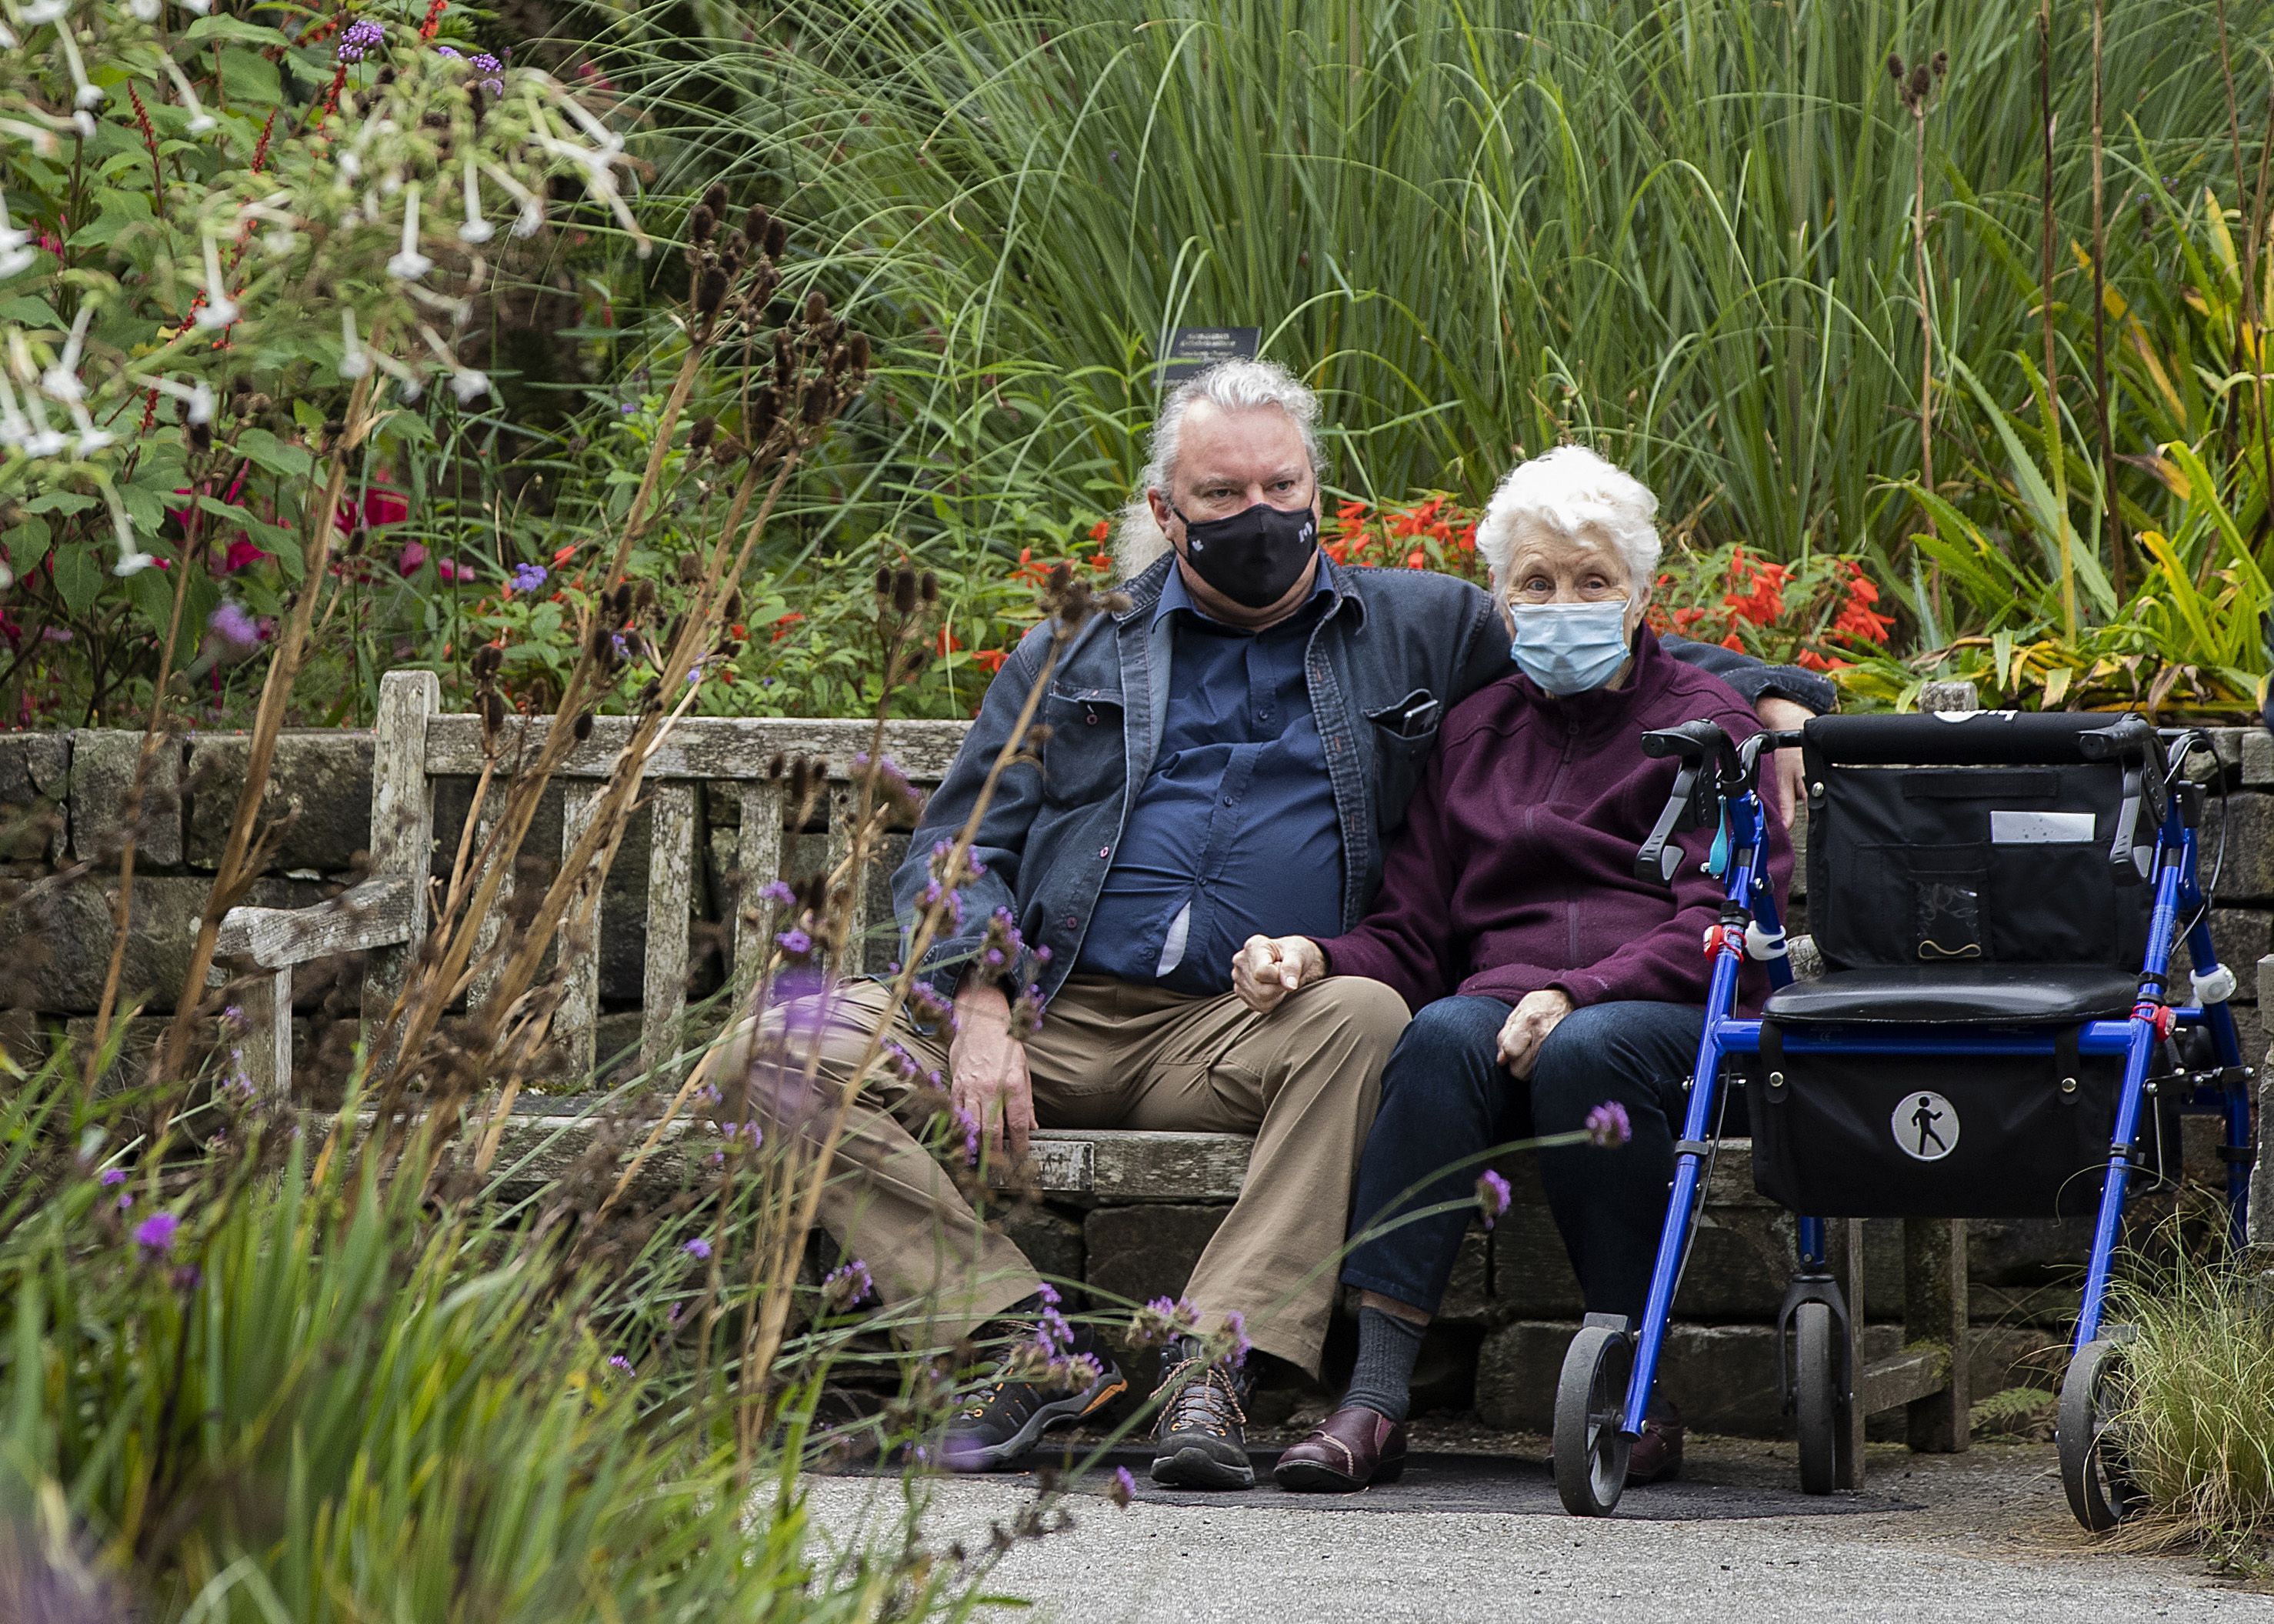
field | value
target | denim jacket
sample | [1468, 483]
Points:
[1395, 651]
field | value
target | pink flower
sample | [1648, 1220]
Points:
[241, 554]
[414, 554]
[1492, 1196]
[155, 1234]
[1607, 1124]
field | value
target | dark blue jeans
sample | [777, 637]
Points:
[1446, 1098]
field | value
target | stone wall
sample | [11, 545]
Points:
[63, 799]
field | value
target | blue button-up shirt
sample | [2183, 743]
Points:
[1234, 832]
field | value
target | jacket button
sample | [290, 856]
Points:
[1070, 921]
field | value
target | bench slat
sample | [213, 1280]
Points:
[401, 818]
[705, 747]
[670, 901]
[758, 859]
[573, 1023]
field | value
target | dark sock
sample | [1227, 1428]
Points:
[1387, 1348]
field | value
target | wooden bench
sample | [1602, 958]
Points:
[385, 917]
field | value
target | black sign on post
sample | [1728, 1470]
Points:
[1192, 350]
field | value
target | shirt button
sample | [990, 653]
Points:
[1105, 851]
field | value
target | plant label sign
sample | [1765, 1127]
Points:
[1192, 350]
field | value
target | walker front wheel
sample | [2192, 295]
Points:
[1591, 1448]
[2093, 1472]
[1816, 1397]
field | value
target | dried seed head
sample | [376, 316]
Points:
[691, 570]
[816, 309]
[777, 765]
[819, 401]
[485, 661]
[904, 591]
[200, 436]
[710, 290]
[582, 727]
[715, 199]
[800, 778]
[1941, 62]
[701, 222]
[776, 239]
[644, 596]
[493, 709]
[699, 436]
[856, 345]
[1895, 67]
[927, 587]
[766, 412]
[604, 648]
[785, 361]
[728, 450]
[884, 580]
[734, 604]
[758, 222]
[651, 695]
[1922, 81]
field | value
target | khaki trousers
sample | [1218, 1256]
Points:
[1304, 1079]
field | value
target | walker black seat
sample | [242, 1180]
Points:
[1994, 995]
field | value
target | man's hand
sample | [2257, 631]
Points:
[1527, 1027]
[1786, 775]
[987, 1069]
[1267, 968]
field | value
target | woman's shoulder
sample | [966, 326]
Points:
[1683, 693]
[1499, 707]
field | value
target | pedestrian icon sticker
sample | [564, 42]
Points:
[1925, 1125]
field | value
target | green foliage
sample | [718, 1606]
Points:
[327, 1396]
[2196, 1404]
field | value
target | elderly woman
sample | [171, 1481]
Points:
[1546, 982]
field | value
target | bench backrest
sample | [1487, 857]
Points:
[416, 745]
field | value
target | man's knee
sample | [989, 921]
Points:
[778, 1047]
[1370, 1013]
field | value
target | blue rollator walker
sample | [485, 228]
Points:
[1996, 896]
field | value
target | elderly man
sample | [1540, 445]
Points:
[1228, 756]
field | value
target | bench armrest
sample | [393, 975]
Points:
[375, 913]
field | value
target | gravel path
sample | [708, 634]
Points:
[1954, 1539]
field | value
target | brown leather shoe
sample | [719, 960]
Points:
[1351, 1448]
[1657, 1452]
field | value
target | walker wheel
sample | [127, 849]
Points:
[1816, 1391]
[2101, 1490]
[1591, 1450]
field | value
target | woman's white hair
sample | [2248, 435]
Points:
[1567, 491]
[1235, 385]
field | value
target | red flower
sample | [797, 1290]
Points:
[782, 626]
[241, 554]
[991, 660]
[1416, 560]
[949, 643]
[1100, 530]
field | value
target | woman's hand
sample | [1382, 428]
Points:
[1786, 774]
[1267, 968]
[1527, 1027]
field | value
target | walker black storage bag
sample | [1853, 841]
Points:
[1962, 877]
[1840, 1138]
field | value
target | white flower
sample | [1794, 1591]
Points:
[41, 140]
[91, 439]
[131, 557]
[476, 229]
[60, 380]
[201, 121]
[197, 7]
[219, 309]
[354, 362]
[468, 385]
[14, 259]
[44, 12]
[87, 96]
[201, 403]
[14, 428]
[532, 206]
[145, 11]
[409, 265]
[197, 401]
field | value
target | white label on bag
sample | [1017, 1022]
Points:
[2039, 828]
[1925, 1125]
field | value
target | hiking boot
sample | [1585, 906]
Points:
[1007, 1417]
[1657, 1452]
[1202, 1437]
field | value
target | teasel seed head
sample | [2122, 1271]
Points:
[699, 436]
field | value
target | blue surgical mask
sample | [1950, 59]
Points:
[1570, 648]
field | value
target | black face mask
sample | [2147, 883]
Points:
[1253, 557]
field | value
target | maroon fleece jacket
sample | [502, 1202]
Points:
[1514, 870]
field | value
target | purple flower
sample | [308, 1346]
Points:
[1236, 1323]
[796, 943]
[1124, 1487]
[698, 1248]
[112, 1176]
[491, 69]
[1491, 1195]
[848, 1283]
[777, 893]
[527, 577]
[126, 1199]
[617, 1362]
[361, 37]
[1607, 1124]
[234, 1015]
[187, 1278]
[454, 54]
[239, 632]
[155, 1234]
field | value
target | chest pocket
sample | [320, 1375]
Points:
[1403, 734]
[1084, 759]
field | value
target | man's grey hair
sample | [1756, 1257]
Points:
[1567, 490]
[1235, 385]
